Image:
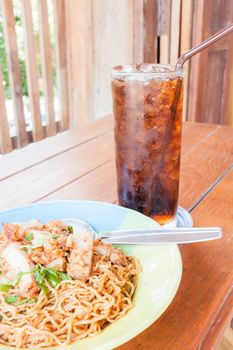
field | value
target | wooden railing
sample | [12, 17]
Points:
[22, 137]
[90, 37]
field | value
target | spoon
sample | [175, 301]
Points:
[149, 236]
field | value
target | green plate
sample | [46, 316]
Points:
[158, 281]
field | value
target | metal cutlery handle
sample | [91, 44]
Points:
[160, 231]
[164, 238]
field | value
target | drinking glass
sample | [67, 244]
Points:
[147, 104]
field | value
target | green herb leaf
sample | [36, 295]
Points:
[29, 237]
[5, 287]
[11, 299]
[52, 276]
[19, 276]
[59, 275]
[0, 272]
[63, 276]
[55, 236]
[26, 301]
[53, 280]
[70, 228]
[39, 274]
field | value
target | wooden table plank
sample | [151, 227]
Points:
[192, 134]
[98, 185]
[206, 282]
[196, 159]
[204, 165]
[216, 210]
[85, 170]
[38, 181]
[40, 151]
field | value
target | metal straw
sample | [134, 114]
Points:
[219, 35]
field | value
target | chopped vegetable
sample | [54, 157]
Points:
[26, 301]
[52, 276]
[70, 228]
[14, 299]
[55, 236]
[6, 287]
[0, 272]
[52, 279]
[36, 243]
[39, 273]
[11, 299]
[19, 276]
[29, 237]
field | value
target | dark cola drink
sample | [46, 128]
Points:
[147, 103]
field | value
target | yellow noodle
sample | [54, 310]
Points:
[74, 309]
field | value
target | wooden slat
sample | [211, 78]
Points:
[138, 31]
[100, 21]
[52, 165]
[210, 93]
[175, 30]
[193, 134]
[5, 140]
[32, 70]
[164, 18]
[214, 210]
[191, 298]
[40, 151]
[61, 53]
[206, 290]
[29, 185]
[150, 11]
[185, 45]
[198, 11]
[14, 71]
[201, 163]
[93, 185]
[79, 17]
[49, 148]
[47, 71]
[226, 98]
[204, 287]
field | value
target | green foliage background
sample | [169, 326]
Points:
[3, 61]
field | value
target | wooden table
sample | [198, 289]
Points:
[79, 164]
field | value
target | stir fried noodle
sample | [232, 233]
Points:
[74, 309]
